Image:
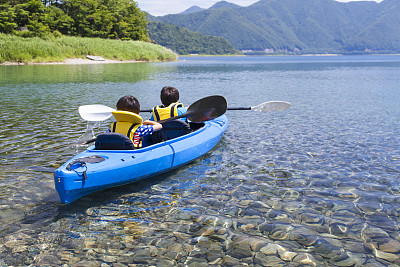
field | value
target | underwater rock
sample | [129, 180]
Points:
[239, 248]
[181, 237]
[230, 261]
[306, 259]
[386, 256]
[309, 218]
[47, 259]
[272, 249]
[268, 260]
[281, 231]
[108, 258]
[355, 247]
[266, 228]
[287, 255]
[370, 233]
[385, 244]
[338, 229]
[347, 259]
[162, 262]
[305, 239]
[325, 248]
[257, 243]
[86, 263]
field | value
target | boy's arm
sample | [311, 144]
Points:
[156, 126]
[182, 110]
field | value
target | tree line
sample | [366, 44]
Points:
[111, 19]
[185, 42]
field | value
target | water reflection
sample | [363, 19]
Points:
[65, 74]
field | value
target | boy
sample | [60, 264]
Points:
[170, 106]
[129, 122]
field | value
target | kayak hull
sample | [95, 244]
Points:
[73, 181]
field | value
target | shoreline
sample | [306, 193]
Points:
[71, 61]
[88, 61]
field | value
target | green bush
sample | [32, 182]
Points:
[17, 49]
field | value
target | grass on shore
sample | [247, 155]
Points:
[37, 50]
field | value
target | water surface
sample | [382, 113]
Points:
[316, 185]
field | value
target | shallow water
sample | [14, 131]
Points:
[317, 184]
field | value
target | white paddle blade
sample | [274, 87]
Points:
[95, 112]
[272, 106]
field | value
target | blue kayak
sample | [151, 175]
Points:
[94, 170]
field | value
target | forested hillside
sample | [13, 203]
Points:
[306, 26]
[184, 41]
[116, 19]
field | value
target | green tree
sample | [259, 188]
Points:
[7, 19]
[119, 19]
[184, 42]
[131, 22]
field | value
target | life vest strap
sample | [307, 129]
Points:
[173, 109]
[157, 115]
[130, 129]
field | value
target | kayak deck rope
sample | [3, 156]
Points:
[81, 163]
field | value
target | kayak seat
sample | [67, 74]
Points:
[175, 128]
[196, 125]
[113, 141]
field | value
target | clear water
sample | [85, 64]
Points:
[319, 183]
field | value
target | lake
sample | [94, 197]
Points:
[317, 184]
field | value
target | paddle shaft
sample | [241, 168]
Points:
[235, 108]
[240, 108]
[187, 114]
[99, 112]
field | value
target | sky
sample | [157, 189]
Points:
[164, 7]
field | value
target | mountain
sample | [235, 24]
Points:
[192, 9]
[306, 26]
[184, 41]
[223, 4]
[219, 4]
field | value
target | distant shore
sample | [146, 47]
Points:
[82, 61]
[73, 61]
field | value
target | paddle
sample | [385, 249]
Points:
[263, 107]
[266, 106]
[197, 112]
[95, 112]
[204, 109]
[100, 112]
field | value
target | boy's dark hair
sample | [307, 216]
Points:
[169, 95]
[128, 103]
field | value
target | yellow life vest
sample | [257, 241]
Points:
[127, 124]
[162, 113]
